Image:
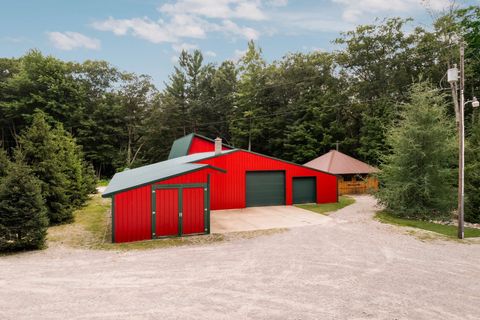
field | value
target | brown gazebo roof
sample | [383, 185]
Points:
[339, 163]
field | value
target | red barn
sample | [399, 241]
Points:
[174, 197]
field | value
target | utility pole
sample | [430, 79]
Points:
[459, 115]
[461, 154]
[453, 75]
[461, 175]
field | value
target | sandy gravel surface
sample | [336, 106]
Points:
[349, 268]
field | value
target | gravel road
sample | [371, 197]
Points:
[349, 268]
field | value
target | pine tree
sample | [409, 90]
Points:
[89, 179]
[250, 116]
[175, 104]
[23, 220]
[40, 150]
[79, 177]
[4, 163]
[472, 177]
[417, 176]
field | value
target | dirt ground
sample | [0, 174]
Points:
[351, 267]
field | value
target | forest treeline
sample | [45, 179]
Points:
[296, 108]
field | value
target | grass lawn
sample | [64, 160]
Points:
[327, 208]
[449, 231]
[102, 183]
[92, 230]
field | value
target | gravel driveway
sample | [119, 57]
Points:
[349, 268]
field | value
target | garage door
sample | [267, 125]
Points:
[265, 188]
[304, 190]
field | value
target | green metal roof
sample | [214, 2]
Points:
[181, 146]
[141, 176]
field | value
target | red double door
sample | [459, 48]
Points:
[180, 211]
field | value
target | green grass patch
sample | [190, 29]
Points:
[327, 208]
[446, 230]
[90, 229]
[102, 183]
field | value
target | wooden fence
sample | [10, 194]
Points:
[357, 185]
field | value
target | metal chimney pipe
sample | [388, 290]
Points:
[218, 146]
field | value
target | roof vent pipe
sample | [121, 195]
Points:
[218, 146]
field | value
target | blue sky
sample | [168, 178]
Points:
[145, 36]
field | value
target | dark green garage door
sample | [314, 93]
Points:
[304, 190]
[265, 188]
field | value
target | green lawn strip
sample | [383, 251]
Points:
[102, 183]
[93, 217]
[89, 229]
[446, 230]
[327, 208]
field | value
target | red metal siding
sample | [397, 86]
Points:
[133, 208]
[193, 177]
[132, 221]
[133, 215]
[193, 210]
[201, 145]
[228, 190]
[166, 215]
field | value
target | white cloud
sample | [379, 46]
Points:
[143, 28]
[231, 27]
[309, 21]
[209, 53]
[179, 26]
[175, 28]
[179, 47]
[189, 26]
[277, 3]
[353, 10]
[249, 10]
[72, 40]
[219, 9]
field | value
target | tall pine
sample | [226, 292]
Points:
[416, 176]
[80, 178]
[40, 149]
[250, 116]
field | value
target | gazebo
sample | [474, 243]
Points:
[354, 176]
